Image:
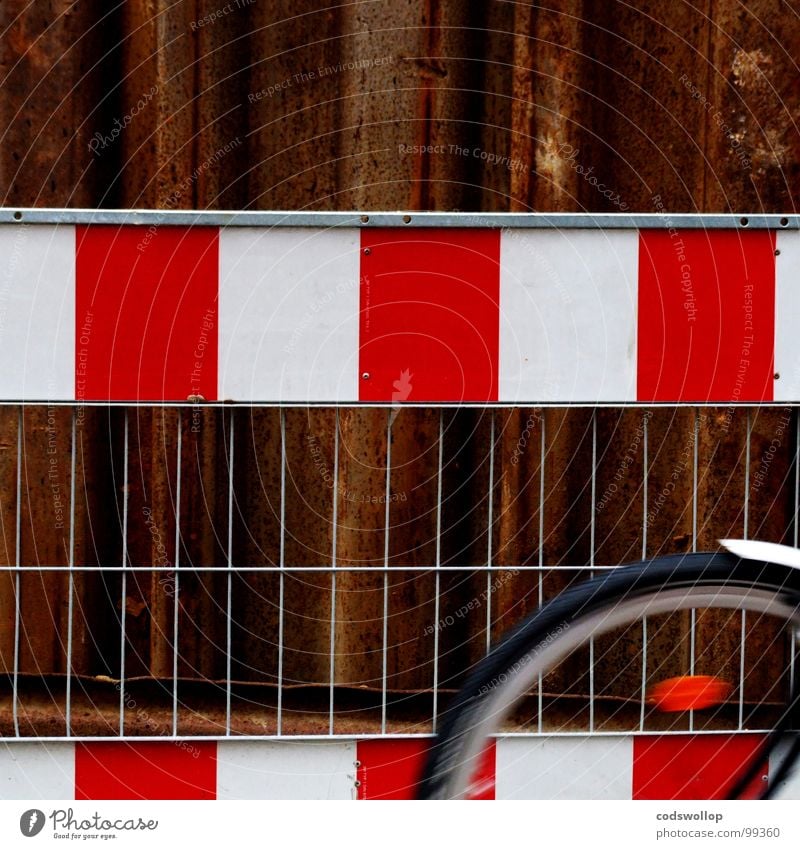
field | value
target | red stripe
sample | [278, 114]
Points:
[146, 313]
[147, 770]
[390, 769]
[430, 315]
[706, 315]
[693, 766]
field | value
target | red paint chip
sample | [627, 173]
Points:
[706, 315]
[146, 770]
[430, 315]
[391, 769]
[146, 313]
[693, 766]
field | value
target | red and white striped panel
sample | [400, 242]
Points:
[570, 767]
[341, 315]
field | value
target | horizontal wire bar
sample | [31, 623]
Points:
[519, 403]
[249, 738]
[359, 569]
[21, 216]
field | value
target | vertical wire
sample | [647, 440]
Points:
[542, 454]
[385, 635]
[177, 582]
[695, 487]
[695, 478]
[229, 606]
[17, 582]
[123, 614]
[70, 603]
[796, 478]
[793, 632]
[592, 532]
[746, 535]
[282, 564]
[438, 564]
[333, 573]
[747, 479]
[489, 530]
[645, 481]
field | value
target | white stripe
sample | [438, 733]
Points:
[289, 310]
[568, 315]
[290, 770]
[37, 313]
[564, 768]
[37, 771]
[787, 316]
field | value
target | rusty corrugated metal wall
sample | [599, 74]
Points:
[677, 107]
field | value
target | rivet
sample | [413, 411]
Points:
[778, 252]
[365, 375]
[777, 376]
[367, 251]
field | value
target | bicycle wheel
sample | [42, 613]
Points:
[505, 683]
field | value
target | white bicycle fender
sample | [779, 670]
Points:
[764, 552]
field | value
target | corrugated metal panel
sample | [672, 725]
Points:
[693, 107]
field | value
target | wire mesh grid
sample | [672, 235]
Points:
[214, 571]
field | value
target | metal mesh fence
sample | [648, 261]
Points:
[324, 571]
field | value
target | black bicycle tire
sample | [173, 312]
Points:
[576, 602]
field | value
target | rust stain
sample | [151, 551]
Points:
[751, 68]
[421, 189]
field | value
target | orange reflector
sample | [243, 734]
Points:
[689, 692]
